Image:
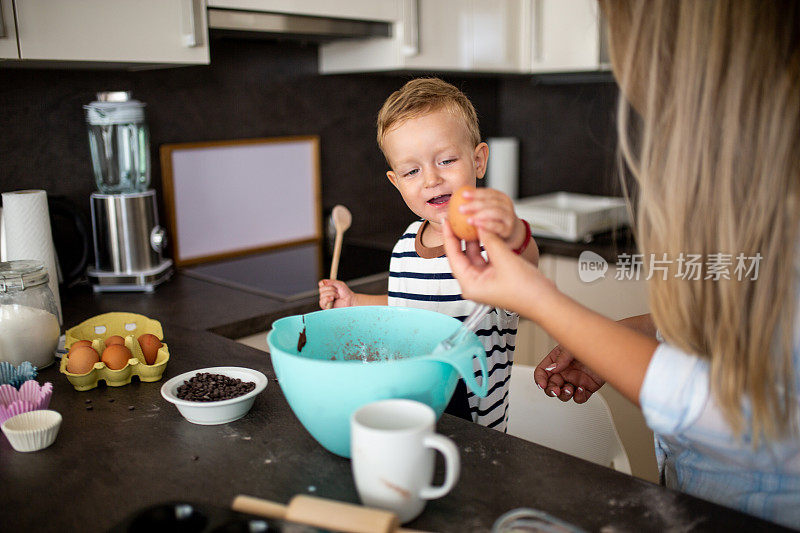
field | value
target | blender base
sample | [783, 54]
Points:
[141, 281]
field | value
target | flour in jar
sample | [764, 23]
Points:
[27, 334]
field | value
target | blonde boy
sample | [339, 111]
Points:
[428, 132]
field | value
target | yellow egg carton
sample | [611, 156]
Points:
[128, 325]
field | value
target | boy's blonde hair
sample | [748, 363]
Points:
[715, 152]
[422, 96]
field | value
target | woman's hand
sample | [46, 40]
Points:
[506, 280]
[334, 294]
[561, 375]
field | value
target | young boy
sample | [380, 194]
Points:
[428, 132]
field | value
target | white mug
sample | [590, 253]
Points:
[392, 448]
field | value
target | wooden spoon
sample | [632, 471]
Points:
[341, 221]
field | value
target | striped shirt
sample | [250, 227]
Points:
[420, 277]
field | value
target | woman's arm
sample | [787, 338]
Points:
[618, 354]
[615, 352]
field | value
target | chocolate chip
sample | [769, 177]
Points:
[131, 408]
[89, 407]
[195, 457]
[111, 400]
[206, 387]
[87, 401]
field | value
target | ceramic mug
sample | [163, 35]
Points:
[393, 443]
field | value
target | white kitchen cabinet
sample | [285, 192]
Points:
[500, 36]
[8, 31]
[118, 32]
[567, 36]
[441, 35]
[377, 10]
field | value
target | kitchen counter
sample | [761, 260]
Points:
[608, 244]
[201, 305]
[132, 449]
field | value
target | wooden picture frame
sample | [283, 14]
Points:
[226, 199]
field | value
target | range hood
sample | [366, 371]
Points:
[259, 24]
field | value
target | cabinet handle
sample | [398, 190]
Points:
[538, 30]
[2, 22]
[410, 45]
[188, 24]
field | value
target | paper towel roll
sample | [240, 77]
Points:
[502, 170]
[2, 237]
[28, 234]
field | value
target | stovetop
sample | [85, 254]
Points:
[290, 273]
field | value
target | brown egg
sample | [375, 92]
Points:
[458, 221]
[150, 345]
[81, 359]
[116, 356]
[115, 339]
[80, 343]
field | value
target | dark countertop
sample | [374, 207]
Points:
[608, 245]
[201, 305]
[110, 461]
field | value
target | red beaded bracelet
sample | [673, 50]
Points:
[527, 240]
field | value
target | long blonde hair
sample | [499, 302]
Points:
[715, 153]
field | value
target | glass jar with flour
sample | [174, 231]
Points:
[28, 315]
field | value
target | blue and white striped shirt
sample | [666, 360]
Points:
[420, 277]
[698, 453]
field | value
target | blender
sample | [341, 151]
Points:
[128, 240]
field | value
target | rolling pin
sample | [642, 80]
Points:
[323, 513]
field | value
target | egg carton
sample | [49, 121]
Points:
[129, 326]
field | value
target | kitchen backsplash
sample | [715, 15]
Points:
[265, 89]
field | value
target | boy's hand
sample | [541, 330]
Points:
[493, 211]
[561, 375]
[334, 294]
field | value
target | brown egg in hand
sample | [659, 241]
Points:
[459, 221]
[150, 345]
[81, 359]
[116, 356]
[115, 339]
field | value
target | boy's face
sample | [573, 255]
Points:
[431, 156]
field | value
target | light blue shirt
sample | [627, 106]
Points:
[698, 453]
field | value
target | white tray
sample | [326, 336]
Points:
[572, 217]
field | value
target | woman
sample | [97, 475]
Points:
[714, 148]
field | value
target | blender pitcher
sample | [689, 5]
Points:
[119, 143]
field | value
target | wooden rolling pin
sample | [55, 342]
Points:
[323, 513]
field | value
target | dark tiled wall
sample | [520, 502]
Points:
[263, 89]
[566, 132]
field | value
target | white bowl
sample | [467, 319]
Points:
[219, 412]
[33, 430]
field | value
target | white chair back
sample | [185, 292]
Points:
[582, 430]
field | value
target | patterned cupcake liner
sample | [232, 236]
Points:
[30, 397]
[16, 375]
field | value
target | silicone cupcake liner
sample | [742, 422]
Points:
[16, 375]
[30, 397]
[32, 431]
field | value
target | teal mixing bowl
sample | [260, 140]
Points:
[357, 355]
